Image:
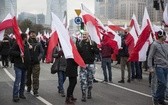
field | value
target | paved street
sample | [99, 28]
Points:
[134, 93]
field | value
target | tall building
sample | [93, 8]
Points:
[120, 9]
[35, 18]
[40, 19]
[5, 8]
[105, 8]
[56, 6]
[24, 15]
[155, 15]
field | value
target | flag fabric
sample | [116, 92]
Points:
[145, 21]
[92, 24]
[7, 22]
[134, 23]
[115, 27]
[68, 47]
[131, 39]
[165, 15]
[65, 19]
[53, 41]
[17, 35]
[139, 51]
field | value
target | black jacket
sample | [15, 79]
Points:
[36, 52]
[87, 51]
[124, 51]
[18, 62]
[5, 46]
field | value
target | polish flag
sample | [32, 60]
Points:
[131, 39]
[53, 41]
[17, 35]
[7, 22]
[115, 27]
[92, 24]
[165, 15]
[139, 51]
[68, 47]
[146, 20]
[134, 23]
[116, 37]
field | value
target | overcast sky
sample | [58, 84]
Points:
[39, 6]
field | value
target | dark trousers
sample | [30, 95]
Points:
[35, 72]
[106, 63]
[71, 87]
[5, 61]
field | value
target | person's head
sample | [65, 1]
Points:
[161, 35]
[85, 35]
[32, 34]
[24, 36]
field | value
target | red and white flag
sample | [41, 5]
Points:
[165, 15]
[134, 23]
[92, 24]
[145, 21]
[7, 22]
[139, 51]
[53, 41]
[115, 27]
[131, 39]
[68, 47]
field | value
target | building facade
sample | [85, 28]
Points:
[124, 9]
[5, 8]
[56, 6]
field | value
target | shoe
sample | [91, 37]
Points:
[104, 81]
[62, 94]
[128, 80]
[36, 94]
[73, 99]
[15, 99]
[121, 81]
[22, 97]
[28, 89]
[83, 99]
[69, 101]
[155, 103]
[162, 103]
[95, 81]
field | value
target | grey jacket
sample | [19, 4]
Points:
[159, 53]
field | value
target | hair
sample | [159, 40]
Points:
[31, 32]
[23, 36]
[161, 33]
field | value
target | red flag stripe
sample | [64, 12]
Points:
[53, 41]
[6, 24]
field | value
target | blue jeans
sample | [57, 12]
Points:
[161, 74]
[106, 62]
[19, 84]
[61, 80]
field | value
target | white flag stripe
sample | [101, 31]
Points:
[63, 36]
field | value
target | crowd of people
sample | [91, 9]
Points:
[27, 65]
